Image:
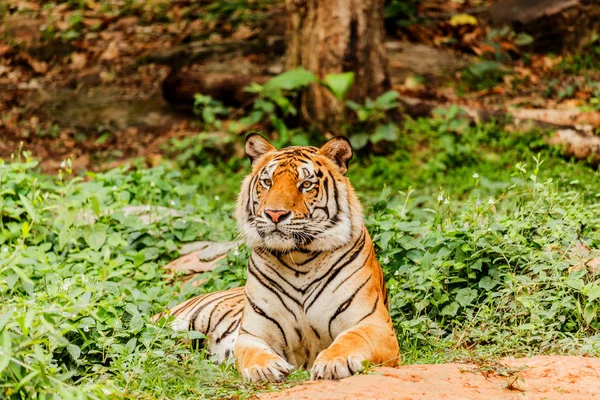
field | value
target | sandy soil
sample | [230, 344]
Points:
[537, 378]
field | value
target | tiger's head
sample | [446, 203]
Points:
[298, 198]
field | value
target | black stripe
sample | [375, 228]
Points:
[230, 329]
[192, 303]
[289, 267]
[336, 196]
[370, 312]
[353, 272]
[302, 291]
[252, 270]
[262, 313]
[220, 319]
[250, 191]
[316, 332]
[199, 310]
[337, 270]
[317, 254]
[317, 280]
[345, 305]
[324, 208]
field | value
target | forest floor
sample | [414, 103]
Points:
[535, 378]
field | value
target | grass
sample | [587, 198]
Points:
[478, 231]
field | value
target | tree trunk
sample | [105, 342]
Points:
[334, 36]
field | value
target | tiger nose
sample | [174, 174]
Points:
[277, 215]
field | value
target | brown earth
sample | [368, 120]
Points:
[536, 378]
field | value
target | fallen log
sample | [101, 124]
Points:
[191, 53]
[558, 117]
[180, 87]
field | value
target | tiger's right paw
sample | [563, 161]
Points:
[268, 367]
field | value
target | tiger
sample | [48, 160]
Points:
[315, 295]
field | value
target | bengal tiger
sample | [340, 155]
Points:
[315, 296]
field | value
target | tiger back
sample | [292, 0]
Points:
[315, 296]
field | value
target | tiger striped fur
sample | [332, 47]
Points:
[315, 295]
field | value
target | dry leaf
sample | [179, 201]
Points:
[78, 61]
[463, 19]
[111, 52]
[243, 33]
[39, 67]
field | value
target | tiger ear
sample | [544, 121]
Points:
[256, 146]
[339, 150]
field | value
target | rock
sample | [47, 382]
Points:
[208, 251]
[200, 257]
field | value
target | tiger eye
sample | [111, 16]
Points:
[268, 182]
[306, 184]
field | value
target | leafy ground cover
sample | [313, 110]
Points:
[489, 241]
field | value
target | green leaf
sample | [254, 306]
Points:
[23, 276]
[5, 346]
[590, 312]
[191, 335]
[95, 236]
[359, 140]
[95, 205]
[387, 101]
[523, 39]
[25, 229]
[526, 327]
[594, 293]
[291, 80]
[69, 216]
[131, 344]
[28, 207]
[465, 296]
[451, 309]
[136, 324]
[74, 351]
[487, 283]
[388, 132]
[4, 318]
[339, 84]
[385, 239]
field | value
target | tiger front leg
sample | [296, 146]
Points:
[256, 361]
[365, 342]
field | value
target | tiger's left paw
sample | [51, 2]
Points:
[335, 367]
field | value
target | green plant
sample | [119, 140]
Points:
[375, 124]
[209, 110]
[492, 272]
[483, 75]
[585, 60]
[486, 247]
[399, 13]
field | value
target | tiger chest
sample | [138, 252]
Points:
[299, 320]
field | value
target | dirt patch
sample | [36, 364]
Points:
[536, 378]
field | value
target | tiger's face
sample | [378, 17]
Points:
[298, 198]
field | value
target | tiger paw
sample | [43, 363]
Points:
[271, 368]
[335, 367]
